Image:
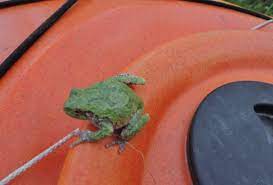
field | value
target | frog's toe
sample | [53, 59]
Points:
[83, 138]
[121, 143]
[113, 143]
[79, 141]
[121, 147]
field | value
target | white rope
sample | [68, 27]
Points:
[263, 24]
[37, 158]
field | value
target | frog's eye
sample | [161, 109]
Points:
[77, 111]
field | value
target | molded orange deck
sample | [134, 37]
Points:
[187, 70]
[95, 40]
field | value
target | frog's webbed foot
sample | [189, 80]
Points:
[120, 142]
[83, 138]
[106, 129]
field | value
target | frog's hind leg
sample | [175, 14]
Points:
[137, 122]
[130, 79]
[106, 129]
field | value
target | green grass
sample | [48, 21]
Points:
[262, 6]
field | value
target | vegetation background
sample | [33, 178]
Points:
[262, 6]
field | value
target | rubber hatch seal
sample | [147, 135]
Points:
[30, 40]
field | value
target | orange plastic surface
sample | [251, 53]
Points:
[179, 75]
[18, 22]
[97, 39]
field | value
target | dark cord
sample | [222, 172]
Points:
[30, 40]
[9, 3]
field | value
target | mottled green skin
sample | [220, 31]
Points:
[109, 105]
[109, 99]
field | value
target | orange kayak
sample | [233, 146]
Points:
[183, 49]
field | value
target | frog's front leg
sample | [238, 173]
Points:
[137, 122]
[130, 79]
[106, 129]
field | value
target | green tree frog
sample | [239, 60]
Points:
[112, 107]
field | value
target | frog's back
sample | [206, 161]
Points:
[114, 100]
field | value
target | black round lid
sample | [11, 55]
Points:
[231, 138]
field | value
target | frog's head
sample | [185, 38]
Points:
[75, 106]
